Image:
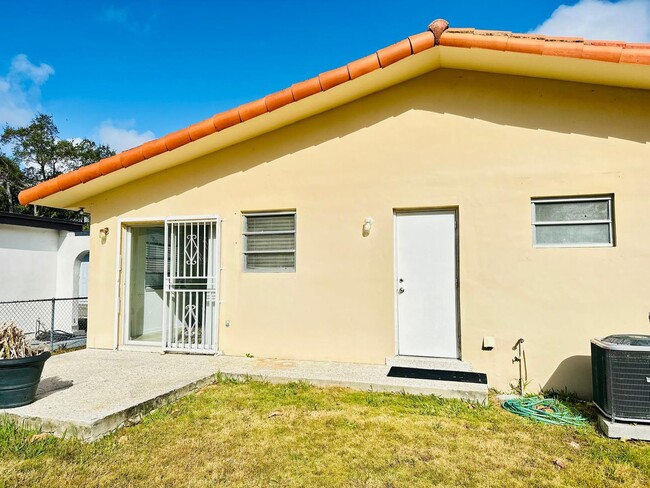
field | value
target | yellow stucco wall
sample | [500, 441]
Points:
[480, 142]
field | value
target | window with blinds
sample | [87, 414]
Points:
[270, 241]
[154, 257]
[573, 222]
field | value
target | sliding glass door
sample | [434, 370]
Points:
[171, 284]
[145, 284]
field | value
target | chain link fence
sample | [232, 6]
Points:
[58, 322]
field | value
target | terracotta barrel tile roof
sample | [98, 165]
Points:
[47, 188]
[363, 66]
[333, 78]
[422, 41]
[636, 53]
[132, 156]
[153, 148]
[226, 119]
[109, 165]
[90, 172]
[305, 88]
[251, 110]
[68, 180]
[437, 28]
[525, 43]
[394, 53]
[177, 139]
[278, 99]
[29, 195]
[202, 129]
[438, 33]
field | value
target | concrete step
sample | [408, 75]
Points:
[365, 377]
[429, 363]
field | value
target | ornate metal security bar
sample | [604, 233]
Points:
[191, 285]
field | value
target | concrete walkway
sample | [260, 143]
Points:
[91, 392]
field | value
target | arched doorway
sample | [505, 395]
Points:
[80, 281]
[80, 291]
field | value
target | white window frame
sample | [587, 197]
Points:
[599, 198]
[245, 234]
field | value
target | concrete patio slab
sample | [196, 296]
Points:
[89, 393]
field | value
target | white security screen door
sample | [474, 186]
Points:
[426, 284]
[191, 285]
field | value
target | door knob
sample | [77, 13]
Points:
[401, 290]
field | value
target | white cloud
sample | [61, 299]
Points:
[122, 136]
[20, 90]
[21, 66]
[626, 20]
[125, 18]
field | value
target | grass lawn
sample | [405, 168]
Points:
[256, 434]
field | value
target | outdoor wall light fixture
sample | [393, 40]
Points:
[103, 233]
[367, 225]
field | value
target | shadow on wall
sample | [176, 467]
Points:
[573, 375]
[562, 107]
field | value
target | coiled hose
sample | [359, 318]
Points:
[544, 410]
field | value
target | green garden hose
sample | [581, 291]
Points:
[544, 410]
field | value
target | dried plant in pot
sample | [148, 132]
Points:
[21, 365]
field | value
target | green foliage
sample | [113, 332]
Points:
[38, 154]
[21, 442]
[253, 433]
[43, 155]
[11, 182]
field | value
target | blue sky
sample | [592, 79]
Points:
[123, 72]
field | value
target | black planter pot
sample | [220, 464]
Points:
[19, 380]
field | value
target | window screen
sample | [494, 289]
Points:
[270, 241]
[572, 222]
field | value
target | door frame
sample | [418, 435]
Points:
[127, 285]
[122, 263]
[427, 210]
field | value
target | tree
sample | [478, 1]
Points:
[85, 152]
[42, 155]
[11, 182]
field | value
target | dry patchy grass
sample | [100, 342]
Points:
[256, 434]
[65, 350]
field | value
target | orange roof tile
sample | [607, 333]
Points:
[251, 110]
[438, 33]
[363, 66]
[132, 156]
[394, 53]
[226, 119]
[278, 99]
[304, 89]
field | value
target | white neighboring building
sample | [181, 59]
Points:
[42, 258]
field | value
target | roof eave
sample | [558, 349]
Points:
[408, 68]
[476, 59]
[560, 68]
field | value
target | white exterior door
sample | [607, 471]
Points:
[191, 285]
[426, 284]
